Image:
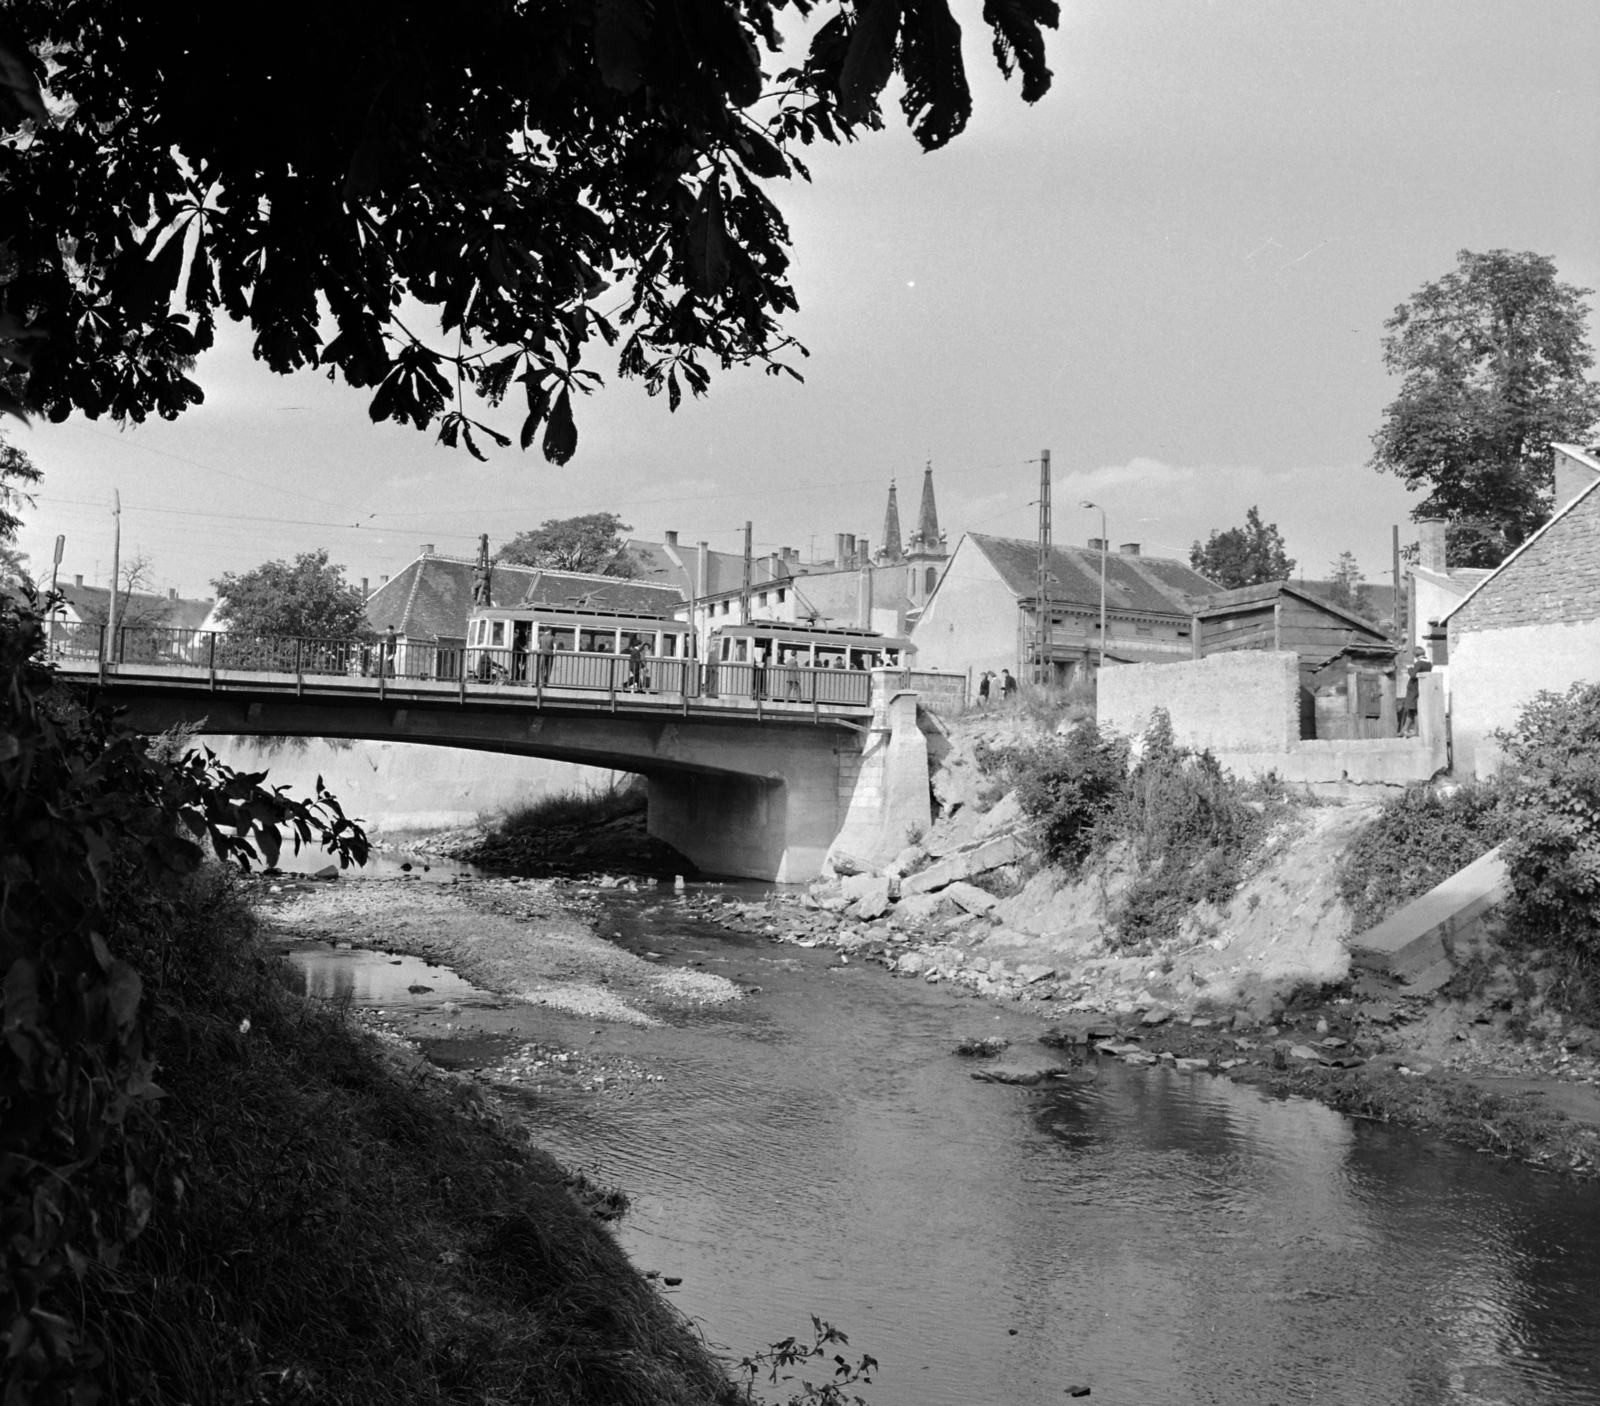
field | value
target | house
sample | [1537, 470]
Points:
[1436, 588]
[428, 602]
[1531, 624]
[83, 609]
[984, 610]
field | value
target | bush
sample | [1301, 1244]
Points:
[1191, 829]
[1417, 841]
[1069, 786]
[1550, 785]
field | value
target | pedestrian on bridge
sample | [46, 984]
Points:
[391, 646]
[635, 653]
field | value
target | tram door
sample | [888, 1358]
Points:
[521, 643]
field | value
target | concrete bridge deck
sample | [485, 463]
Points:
[740, 782]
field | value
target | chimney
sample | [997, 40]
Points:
[427, 549]
[172, 593]
[1097, 544]
[366, 590]
[1573, 473]
[77, 580]
[672, 538]
[1431, 544]
[1129, 549]
[838, 551]
[849, 557]
[863, 552]
[382, 582]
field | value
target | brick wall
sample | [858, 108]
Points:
[1556, 580]
[1245, 701]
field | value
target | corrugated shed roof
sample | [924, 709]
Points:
[1148, 585]
[433, 595]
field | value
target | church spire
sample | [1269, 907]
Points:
[926, 538]
[892, 550]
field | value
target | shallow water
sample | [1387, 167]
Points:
[1159, 1237]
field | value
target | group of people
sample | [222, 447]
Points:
[989, 685]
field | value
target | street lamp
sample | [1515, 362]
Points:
[1103, 541]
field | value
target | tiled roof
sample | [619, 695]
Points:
[433, 595]
[1148, 585]
[175, 613]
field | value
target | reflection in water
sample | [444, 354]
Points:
[377, 978]
[1162, 1237]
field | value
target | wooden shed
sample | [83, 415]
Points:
[1280, 615]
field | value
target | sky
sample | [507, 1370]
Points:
[1172, 272]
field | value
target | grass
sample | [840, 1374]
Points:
[564, 808]
[346, 1227]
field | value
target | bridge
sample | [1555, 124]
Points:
[753, 771]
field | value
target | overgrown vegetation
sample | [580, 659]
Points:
[212, 1190]
[1189, 826]
[574, 808]
[1417, 841]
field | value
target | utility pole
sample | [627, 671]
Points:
[744, 590]
[55, 605]
[1041, 591]
[1399, 632]
[116, 570]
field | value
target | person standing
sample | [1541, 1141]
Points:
[635, 653]
[983, 690]
[1420, 664]
[1008, 686]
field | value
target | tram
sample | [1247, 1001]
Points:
[552, 647]
[800, 663]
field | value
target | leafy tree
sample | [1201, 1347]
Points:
[1243, 556]
[16, 468]
[534, 174]
[1494, 359]
[306, 597]
[13, 566]
[590, 542]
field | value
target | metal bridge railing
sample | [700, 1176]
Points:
[381, 659]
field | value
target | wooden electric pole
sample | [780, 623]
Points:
[1041, 591]
[116, 570]
[744, 590]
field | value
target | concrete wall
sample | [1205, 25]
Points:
[394, 786]
[1248, 701]
[890, 804]
[1494, 673]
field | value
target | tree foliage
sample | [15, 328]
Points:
[529, 176]
[1495, 361]
[307, 597]
[94, 832]
[589, 542]
[1243, 556]
[1344, 579]
[17, 471]
[139, 607]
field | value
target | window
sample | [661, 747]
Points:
[762, 598]
[932, 579]
[724, 607]
[782, 596]
[498, 639]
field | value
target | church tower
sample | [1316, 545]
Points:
[926, 551]
[891, 553]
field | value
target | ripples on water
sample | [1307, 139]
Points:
[1163, 1238]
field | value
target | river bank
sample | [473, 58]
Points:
[816, 1146]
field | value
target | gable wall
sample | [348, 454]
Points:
[1556, 580]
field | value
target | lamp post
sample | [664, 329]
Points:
[1103, 543]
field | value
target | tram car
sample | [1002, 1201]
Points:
[800, 663]
[550, 647]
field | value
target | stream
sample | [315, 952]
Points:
[1159, 1237]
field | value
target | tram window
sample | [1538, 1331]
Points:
[597, 641]
[669, 646]
[558, 639]
[498, 638]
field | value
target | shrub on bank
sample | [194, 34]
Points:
[1417, 841]
[1188, 825]
[575, 808]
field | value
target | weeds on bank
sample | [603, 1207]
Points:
[1190, 827]
[574, 808]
